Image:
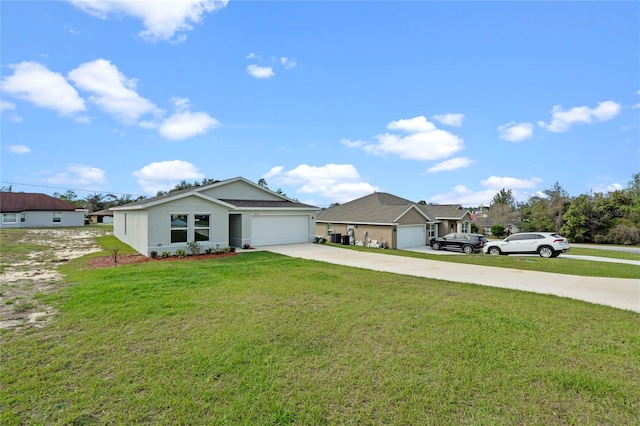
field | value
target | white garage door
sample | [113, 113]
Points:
[411, 236]
[273, 230]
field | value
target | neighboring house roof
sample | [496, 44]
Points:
[377, 208]
[102, 213]
[284, 202]
[16, 202]
[444, 211]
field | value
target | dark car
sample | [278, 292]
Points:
[460, 241]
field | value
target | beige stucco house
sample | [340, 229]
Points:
[391, 221]
[229, 213]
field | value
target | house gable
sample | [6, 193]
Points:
[240, 189]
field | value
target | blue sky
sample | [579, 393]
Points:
[446, 102]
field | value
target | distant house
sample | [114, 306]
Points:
[32, 210]
[392, 221]
[102, 216]
[229, 213]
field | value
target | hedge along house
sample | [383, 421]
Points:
[33, 210]
[396, 221]
[229, 213]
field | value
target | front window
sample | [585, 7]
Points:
[23, 219]
[9, 218]
[329, 228]
[57, 217]
[465, 226]
[179, 228]
[201, 227]
[432, 230]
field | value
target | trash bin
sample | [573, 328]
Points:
[345, 240]
[336, 238]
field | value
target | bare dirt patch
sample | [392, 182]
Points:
[37, 273]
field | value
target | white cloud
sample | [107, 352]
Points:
[78, 175]
[257, 71]
[287, 63]
[449, 119]
[184, 125]
[498, 182]
[353, 144]
[452, 164]
[605, 188]
[562, 120]
[165, 175]
[19, 149]
[162, 20]
[34, 83]
[6, 106]
[461, 194]
[333, 182]
[421, 141]
[112, 91]
[513, 132]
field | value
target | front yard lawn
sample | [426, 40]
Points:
[265, 339]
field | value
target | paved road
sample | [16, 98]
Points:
[616, 292]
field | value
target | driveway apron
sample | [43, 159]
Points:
[616, 292]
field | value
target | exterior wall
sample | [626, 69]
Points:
[412, 217]
[44, 219]
[381, 233]
[130, 227]
[240, 191]
[159, 224]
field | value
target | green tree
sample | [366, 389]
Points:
[558, 201]
[502, 207]
[580, 220]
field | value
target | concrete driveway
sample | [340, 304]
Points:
[616, 292]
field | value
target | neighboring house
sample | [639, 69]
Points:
[229, 213]
[31, 210]
[391, 221]
[450, 218]
[481, 218]
[102, 216]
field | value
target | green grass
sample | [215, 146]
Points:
[263, 339]
[603, 252]
[558, 265]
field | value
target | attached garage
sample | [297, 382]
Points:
[411, 236]
[267, 230]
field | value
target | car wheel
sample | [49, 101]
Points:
[494, 251]
[545, 251]
[467, 249]
[435, 246]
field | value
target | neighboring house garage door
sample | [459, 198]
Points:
[411, 236]
[273, 230]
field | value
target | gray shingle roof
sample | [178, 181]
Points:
[379, 207]
[266, 203]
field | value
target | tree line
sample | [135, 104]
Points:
[612, 217]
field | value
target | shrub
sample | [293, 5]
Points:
[181, 253]
[623, 234]
[498, 231]
[320, 239]
[194, 247]
[209, 250]
[165, 254]
[246, 246]
[232, 249]
[153, 254]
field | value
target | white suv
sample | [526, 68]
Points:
[546, 244]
